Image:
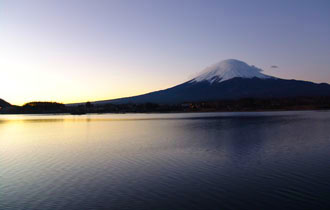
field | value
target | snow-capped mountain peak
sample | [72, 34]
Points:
[229, 69]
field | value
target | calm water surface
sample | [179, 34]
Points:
[206, 161]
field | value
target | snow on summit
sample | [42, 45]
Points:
[229, 69]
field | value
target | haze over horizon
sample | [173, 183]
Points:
[75, 51]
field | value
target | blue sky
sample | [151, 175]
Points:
[79, 50]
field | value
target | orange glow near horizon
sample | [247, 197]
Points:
[75, 81]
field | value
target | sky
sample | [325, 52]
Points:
[85, 50]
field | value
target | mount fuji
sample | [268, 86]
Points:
[229, 79]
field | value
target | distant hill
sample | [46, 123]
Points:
[229, 80]
[4, 104]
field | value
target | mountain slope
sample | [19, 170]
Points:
[231, 89]
[4, 104]
[229, 79]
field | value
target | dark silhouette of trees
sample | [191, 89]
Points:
[43, 107]
[89, 105]
[245, 104]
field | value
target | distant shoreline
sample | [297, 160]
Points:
[239, 105]
[233, 111]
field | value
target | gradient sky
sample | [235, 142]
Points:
[80, 50]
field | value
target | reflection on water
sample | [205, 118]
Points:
[204, 161]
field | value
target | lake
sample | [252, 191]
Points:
[204, 161]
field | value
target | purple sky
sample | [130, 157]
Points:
[79, 50]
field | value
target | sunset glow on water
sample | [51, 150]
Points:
[165, 161]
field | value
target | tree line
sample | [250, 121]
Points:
[245, 104]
